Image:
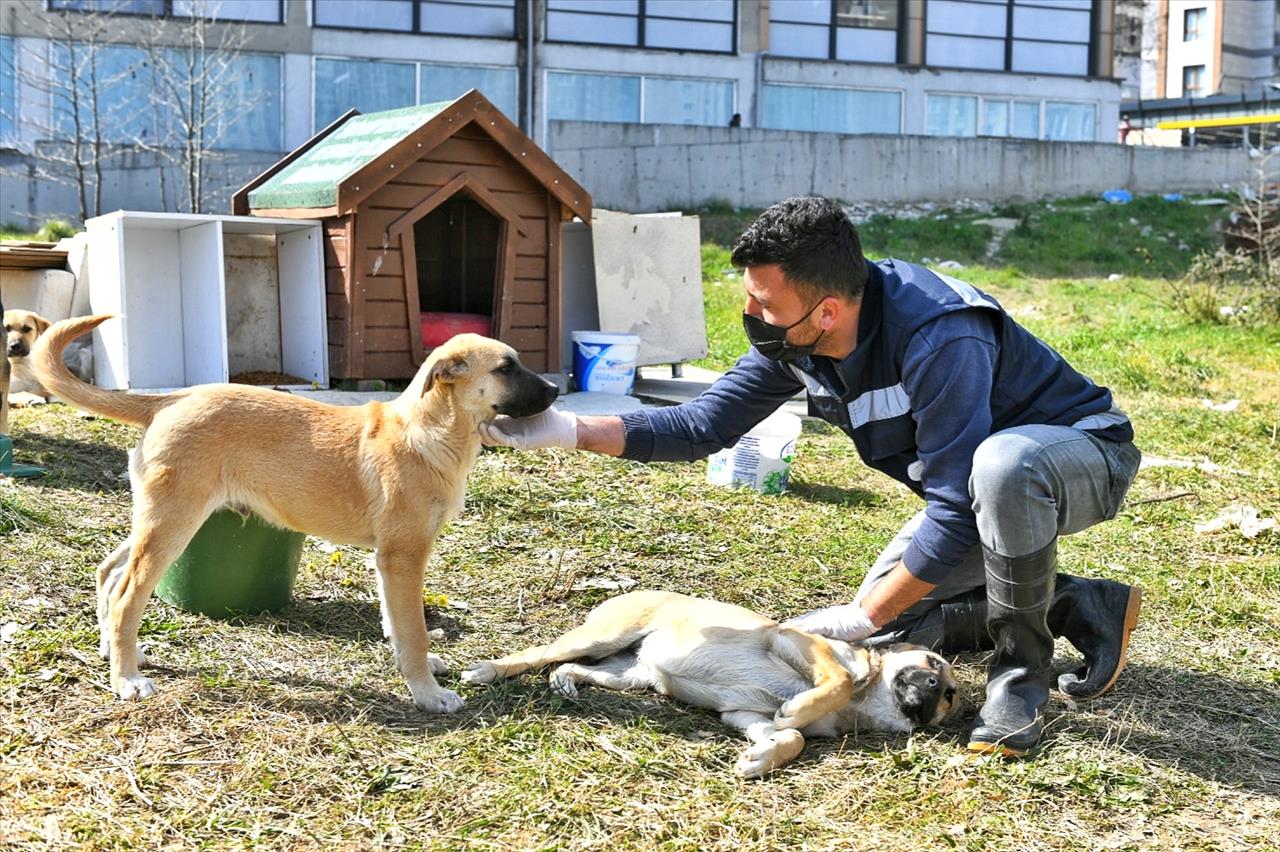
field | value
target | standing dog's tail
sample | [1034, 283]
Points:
[46, 358]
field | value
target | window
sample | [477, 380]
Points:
[243, 110]
[995, 118]
[651, 100]
[1037, 36]
[592, 97]
[703, 25]
[951, 115]
[1068, 122]
[8, 91]
[257, 11]
[831, 110]
[491, 18]
[1192, 24]
[1026, 120]
[366, 84]
[854, 30]
[1193, 81]
[683, 101]
[448, 82]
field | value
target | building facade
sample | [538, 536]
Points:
[1033, 69]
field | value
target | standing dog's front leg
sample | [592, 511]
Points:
[400, 573]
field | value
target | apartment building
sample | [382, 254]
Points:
[1033, 69]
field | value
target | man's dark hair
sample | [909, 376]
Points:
[814, 243]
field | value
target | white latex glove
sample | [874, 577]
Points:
[551, 428]
[846, 621]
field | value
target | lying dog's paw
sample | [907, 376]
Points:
[564, 681]
[135, 688]
[481, 672]
[437, 665]
[762, 758]
[787, 715]
[439, 701]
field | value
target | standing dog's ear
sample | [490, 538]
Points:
[447, 371]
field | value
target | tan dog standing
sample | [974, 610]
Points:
[775, 684]
[386, 476]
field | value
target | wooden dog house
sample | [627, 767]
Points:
[430, 214]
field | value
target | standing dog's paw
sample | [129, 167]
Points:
[439, 701]
[481, 672]
[437, 665]
[564, 681]
[135, 688]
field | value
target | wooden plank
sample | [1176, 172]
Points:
[382, 314]
[496, 178]
[554, 291]
[505, 276]
[529, 290]
[384, 288]
[295, 212]
[335, 247]
[532, 243]
[478, 152]
[412, 308]
[534, 359]
[526, 339]
[388, 365]
[337, 330]
[338, 362]
[526, 316]
[240, 201]
[529, 266]
[355, 298]
[434, 199]
[387, 339]
[335, 280]
[336, 305]
[528, 205]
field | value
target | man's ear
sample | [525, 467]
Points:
[447, 370]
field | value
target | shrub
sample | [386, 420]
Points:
[55, 229]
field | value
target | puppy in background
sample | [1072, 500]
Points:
[21, 330]
[775, 684]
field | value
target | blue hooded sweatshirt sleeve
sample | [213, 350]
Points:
[717, 418]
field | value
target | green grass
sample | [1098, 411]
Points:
[294, 729]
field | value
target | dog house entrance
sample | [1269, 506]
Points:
[457, 257]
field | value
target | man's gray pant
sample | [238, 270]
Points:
[1029, 484]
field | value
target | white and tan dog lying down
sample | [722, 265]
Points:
[386, 476]
[775, 684]
[21, 331]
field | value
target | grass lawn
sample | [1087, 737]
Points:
[294, 730]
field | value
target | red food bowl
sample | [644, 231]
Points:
[439, 326]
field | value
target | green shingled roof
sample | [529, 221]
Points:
[312, 179]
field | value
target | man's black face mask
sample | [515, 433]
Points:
[771, 340]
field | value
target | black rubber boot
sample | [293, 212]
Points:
[1097, 617]
[958, 625]
[1019, 594]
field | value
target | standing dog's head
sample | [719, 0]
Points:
[21, 328]
[486, 378]
[923, 686]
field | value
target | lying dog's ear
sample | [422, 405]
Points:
[41, 324]
[447, 371]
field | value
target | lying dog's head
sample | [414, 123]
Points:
[486, 378]
[21, 328]
[923, 686]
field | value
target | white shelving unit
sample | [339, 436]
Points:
[202, 297]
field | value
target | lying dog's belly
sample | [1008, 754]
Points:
[719, 676]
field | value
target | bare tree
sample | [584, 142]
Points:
[200, 91]
[66, 67]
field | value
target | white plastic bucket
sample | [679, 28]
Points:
[761, 459]
[604, 362]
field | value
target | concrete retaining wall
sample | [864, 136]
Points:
[645, 168]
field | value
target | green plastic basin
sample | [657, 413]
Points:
[234, 566]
